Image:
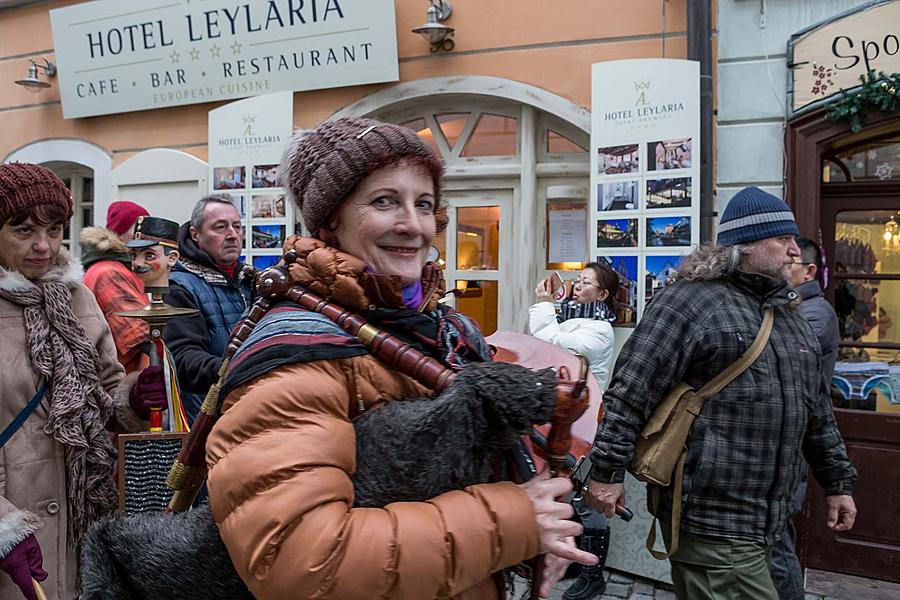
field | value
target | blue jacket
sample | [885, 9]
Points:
[198, 343]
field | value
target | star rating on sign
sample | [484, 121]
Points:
[236, 48]
[214, 51]
[195, 54]
[176, 58]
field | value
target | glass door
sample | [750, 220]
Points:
[474, 252]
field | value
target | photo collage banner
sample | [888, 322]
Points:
[645, 173]
[246, 139]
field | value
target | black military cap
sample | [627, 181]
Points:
[154, 231]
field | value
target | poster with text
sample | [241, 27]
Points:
[645, 135]
[246, 139]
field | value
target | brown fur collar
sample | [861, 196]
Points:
[341, 277]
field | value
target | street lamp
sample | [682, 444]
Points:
[33, 83]
[438, 35]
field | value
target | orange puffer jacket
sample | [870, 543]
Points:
[280, 463]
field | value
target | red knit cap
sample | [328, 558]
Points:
[121, 215]
[23, 186]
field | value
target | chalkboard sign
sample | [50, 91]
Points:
[144, 463]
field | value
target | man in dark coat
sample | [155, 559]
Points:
[743, 458]
[787, 574]
[208, 277]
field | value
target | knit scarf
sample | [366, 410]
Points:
[598, 310]
[65, 358]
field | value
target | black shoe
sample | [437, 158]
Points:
[590, 582]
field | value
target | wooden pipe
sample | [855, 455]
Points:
[38, 590]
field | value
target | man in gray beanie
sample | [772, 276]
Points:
[743, 453]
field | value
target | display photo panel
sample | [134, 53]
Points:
[618, 195]
[669, 231]
[614, 160]
[626, 267]
[617, 233]
[665, 155]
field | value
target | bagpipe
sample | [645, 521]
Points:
[122, 555]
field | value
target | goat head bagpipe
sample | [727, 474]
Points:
[474, 423]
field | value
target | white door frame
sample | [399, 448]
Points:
[478, 198]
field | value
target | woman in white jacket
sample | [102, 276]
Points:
[584, 322]
[583, 325]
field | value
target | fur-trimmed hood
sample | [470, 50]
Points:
[100, 243]
[64, 269]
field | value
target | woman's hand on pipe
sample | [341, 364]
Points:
[555, 527]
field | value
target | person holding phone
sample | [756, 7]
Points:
[583, 325]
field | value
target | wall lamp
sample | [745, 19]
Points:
[33, 83]
[439, 36]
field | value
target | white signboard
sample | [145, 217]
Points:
[645, 172]
[831, 57]
[118, 56]
[246, 140]
[567, 235]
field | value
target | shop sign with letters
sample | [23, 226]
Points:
[116, 57]
[833, 55]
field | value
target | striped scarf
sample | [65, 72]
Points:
[79, 409]
[597, 310]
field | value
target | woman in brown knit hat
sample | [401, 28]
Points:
[289, 474]
[57, 355]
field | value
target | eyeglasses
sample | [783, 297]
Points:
[584, 282]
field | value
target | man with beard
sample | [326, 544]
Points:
[208, 277]
[743, 458]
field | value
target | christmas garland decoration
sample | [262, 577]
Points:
[878, 91]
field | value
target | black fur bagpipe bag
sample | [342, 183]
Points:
[484, 412]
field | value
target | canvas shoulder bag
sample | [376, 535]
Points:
[660, 452]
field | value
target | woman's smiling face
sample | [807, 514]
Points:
[389, 220]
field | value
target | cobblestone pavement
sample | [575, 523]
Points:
[620, 586]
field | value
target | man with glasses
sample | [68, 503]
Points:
[805, 273]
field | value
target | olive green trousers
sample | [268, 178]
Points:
[711, 568]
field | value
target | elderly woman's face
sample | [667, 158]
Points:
[30, 248]
[388, 221]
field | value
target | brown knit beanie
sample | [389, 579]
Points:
[24, 186]
[320, 169]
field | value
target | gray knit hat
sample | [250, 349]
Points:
[319, 169]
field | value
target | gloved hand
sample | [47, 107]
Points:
[22, 563]
[148, 392]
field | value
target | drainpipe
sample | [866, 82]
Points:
[699, 43]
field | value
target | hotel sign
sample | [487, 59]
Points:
[118, 57]
[833, 55]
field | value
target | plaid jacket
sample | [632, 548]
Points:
[744, 449]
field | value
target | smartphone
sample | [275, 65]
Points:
[557, 287]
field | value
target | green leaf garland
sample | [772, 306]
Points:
[878, 91]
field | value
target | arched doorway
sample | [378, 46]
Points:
[845, 190]
[510, 149]
[85, 169]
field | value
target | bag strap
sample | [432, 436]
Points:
[654, 491]
[717, 383]
[20, 419]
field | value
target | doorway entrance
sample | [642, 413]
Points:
[845, 188]
[475, 249]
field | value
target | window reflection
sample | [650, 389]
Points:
[478, 300]
[873, 161]
[478, 238]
